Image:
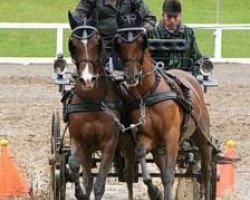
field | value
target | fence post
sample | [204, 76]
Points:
[218, 43]
[59, 41]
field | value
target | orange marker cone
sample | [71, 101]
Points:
[12, 182]
[226, 184]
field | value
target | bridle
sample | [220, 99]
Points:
[133, 34]
[84, 33]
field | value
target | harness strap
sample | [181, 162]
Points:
[90, 107]
[187, 101]
[157, 98]
[185, 98]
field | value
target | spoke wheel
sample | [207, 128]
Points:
[214, 179]
[58, 180]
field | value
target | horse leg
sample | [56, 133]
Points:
[86, 171]
[172, 147]
[128, 149]
[153, 191]
[206, 159]
[73, 170]
[105, 165]
[159, 160]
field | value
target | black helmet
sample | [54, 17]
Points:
[171, 6]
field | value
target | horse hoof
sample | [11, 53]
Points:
[71, 176]
[80, 195]
[74, 164]
[148, 182]
[154, 193]
[72, 172]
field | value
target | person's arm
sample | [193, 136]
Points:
[198, 59]
[195, 52]
[149, 19]
[84, 9]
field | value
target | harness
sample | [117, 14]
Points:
[86, 105]
[152, 97]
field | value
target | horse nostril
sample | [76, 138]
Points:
[81, 79]
[93, 79]
[133, 81]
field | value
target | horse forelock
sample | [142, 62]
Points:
[130, 36]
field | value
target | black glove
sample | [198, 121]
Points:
[195, 70]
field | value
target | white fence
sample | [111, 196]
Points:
[60, 27]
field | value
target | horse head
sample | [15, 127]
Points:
[130, 43]
[85, 46]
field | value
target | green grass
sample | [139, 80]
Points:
[41, 43]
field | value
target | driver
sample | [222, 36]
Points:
[171, 27]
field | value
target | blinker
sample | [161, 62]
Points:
[130, 34]
[84, 32]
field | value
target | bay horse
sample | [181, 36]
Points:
[174, 109]
[93, 113]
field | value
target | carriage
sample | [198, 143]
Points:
[188, 161]
[60, 150]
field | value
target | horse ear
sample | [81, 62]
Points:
[119, 20]
[72, 21]
[93, 19]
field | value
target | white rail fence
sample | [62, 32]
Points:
[60, 27]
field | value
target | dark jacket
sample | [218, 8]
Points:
[107, 10]
[191, 56]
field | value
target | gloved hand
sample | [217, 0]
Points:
[195, 70]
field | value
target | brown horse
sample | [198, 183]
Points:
[169, 118]
[93, 114]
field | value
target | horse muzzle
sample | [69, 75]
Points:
[132, 78]
[131, 81]
[87, 83]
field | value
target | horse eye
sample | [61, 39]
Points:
[140, 39]
[119, 41]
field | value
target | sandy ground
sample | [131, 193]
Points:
[28, 98]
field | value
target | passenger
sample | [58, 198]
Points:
[106, 23]
[171, 27]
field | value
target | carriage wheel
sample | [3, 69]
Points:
[189, 188]
[62, 176]
[198, 192]
[58, 165]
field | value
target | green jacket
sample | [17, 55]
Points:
[189, 57]
[107, 9]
